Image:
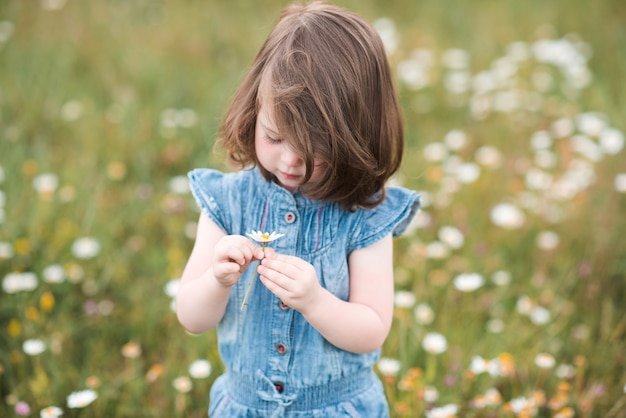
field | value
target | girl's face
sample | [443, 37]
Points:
[277, 157]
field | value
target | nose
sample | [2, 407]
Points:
[290, 158]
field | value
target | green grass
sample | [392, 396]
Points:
[84, 95]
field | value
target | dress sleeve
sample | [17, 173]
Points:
[207, 187]
[393, 215]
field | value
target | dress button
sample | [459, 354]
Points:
[283, 305]
[281, 348]
[280, 386]
[290, 217]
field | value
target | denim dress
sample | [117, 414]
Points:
[277, 365]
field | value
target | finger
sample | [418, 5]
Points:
[274, 276]
[239, 255]
[225, 269]
[248, 253]
[273, 287]
[259, 254]
[284, 266]
[254, 251]
[289, 259]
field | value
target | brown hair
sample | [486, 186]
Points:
[333, 100]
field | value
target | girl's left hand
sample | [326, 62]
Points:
[291, 279]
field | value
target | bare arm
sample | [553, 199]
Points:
[359, 325]
[214, 266]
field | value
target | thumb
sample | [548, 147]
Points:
[269, 252]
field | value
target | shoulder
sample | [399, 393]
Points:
[204, 181]
[211, 177]
[220, 195]
[392, 216]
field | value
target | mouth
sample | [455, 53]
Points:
[290, 177]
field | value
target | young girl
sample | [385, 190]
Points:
[316, 130]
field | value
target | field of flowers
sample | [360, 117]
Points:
[511, 284]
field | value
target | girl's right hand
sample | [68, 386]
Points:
[232, 256]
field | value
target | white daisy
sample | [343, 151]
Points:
[51, 412]
[200, 369]
[264, 237]
[507, 216]
[182, 384]
[33, 347]
[388, 366]
[544, 360]
[81, 398]
[435, 343]
[85, 247]
[468, 282]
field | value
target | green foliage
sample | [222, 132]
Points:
[105, 105]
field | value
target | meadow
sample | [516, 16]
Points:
[511, 283]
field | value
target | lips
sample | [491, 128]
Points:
[287, 176]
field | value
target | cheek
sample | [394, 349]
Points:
[264, 151]
[259, 146]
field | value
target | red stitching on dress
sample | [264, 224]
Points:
[264, 215]
[317, 226]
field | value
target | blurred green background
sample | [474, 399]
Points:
[514, 127]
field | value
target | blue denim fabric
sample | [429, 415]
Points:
[316, 376]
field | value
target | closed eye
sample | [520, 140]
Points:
[273, 140]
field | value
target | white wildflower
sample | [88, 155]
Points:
[591, 123]
[447, 411]
[544, 360]
[6, 250]
[611, 141]
[548, 240]
[264, 237]
[435, 152]
[455, 139]
[563, 127]
[53, 274]
[72, 110]
[541, 140]
[46, 183]
[539, 315]
[85, 247]
[19, 282]
[468, 173]
[495, 325]
[431, 394]
[424, 314]
[33, 347]
[386, 29]
[437, 250]
[182, 384]
[620, 183]
[501, 278]
[388, 366]
[81, 398]
[404, 299]
[507, 216]
[468, 282]
[434, 343]
[488, 156]
[179, 185]
[455, 58]
[171, 287]
[451, 236]
[200, 369]
[51, 412]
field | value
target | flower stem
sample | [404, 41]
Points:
[245, 297]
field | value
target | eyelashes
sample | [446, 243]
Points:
[273, 140]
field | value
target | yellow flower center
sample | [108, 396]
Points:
[265, 236]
